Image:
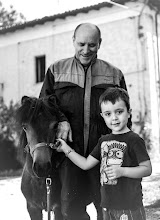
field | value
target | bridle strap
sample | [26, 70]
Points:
[48, 188]
[31, 149]
[35, 147]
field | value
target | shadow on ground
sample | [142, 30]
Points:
[154, 205]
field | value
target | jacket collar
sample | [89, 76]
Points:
[92, 61]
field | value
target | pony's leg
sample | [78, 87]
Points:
[99, 210]
[94, 176]
[58, 214]
[73, 210]
[35, 213]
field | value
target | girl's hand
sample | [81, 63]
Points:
[114, 171]
[62, 147]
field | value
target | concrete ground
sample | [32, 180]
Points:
[13, 205]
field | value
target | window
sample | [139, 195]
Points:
[40, 68]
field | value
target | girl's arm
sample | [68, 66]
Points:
[77, 159]
[144, 169]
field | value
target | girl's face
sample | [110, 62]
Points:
[115, 116]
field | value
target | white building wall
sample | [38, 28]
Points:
[121, 46]
[8, 72]
[53, 39]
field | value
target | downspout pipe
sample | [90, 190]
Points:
[139, 18]
[158, 66]
[157, 43]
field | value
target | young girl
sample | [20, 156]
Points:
[124, 160]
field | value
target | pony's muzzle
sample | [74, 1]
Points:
[42, 169]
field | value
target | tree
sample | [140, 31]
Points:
[10, 155]
[10, 18]
[8, 128]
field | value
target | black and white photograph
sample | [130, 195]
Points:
[80, 110]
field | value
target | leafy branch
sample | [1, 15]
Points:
[11, 17]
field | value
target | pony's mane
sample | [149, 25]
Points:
[41, 114]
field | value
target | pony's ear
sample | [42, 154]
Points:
[49, 101]
[24, 99]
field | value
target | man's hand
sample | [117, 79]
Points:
[64, 131]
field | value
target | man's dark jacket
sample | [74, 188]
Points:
[65, 79]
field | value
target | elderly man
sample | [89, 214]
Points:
[77, 83]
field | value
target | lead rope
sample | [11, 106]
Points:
[87, 97]
[48, 187]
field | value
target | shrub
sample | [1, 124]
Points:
[8, 131]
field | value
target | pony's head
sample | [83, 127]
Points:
[38, 119]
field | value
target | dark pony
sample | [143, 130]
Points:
[38, 119]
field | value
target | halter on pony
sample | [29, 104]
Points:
[39, 118]
[30, 150]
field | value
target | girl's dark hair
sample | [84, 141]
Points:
[113, 94]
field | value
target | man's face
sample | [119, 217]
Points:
[86, 43]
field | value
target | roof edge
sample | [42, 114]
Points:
[151, 3]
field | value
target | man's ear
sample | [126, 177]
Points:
[73, 38]
[100, 41]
